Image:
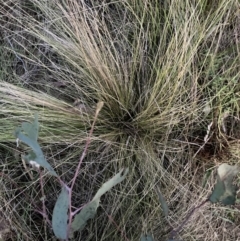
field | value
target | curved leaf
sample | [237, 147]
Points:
[90, 209]
[111, 183]
[60, 215]
[86, 213]
[30, 139]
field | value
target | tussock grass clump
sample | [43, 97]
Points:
[164, 69]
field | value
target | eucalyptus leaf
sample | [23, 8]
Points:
[146, 237]
[111, 183]
[90, 209]
[60, 215]
[31, 129]
[31, 156]
[163, 203]
[30, 139]
[86, 213]
[224, 191]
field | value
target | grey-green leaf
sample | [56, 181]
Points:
[111, 183]
[218, 191]
[146, 237]
[31, 129]
[224, 191]
[86, 213]
[60, 215]
[31, 156]
[30, 140]
[163, 203]
[90, 209]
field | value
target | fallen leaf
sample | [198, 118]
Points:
[224, 191]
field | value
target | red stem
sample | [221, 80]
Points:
[175, 232]
[122, 232]
[43, 198]
[71, 213]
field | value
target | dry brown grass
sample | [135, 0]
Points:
[156, 66]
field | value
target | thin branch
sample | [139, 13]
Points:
[44, 210]
[99, 107]
[113, 221]
[175, 232]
